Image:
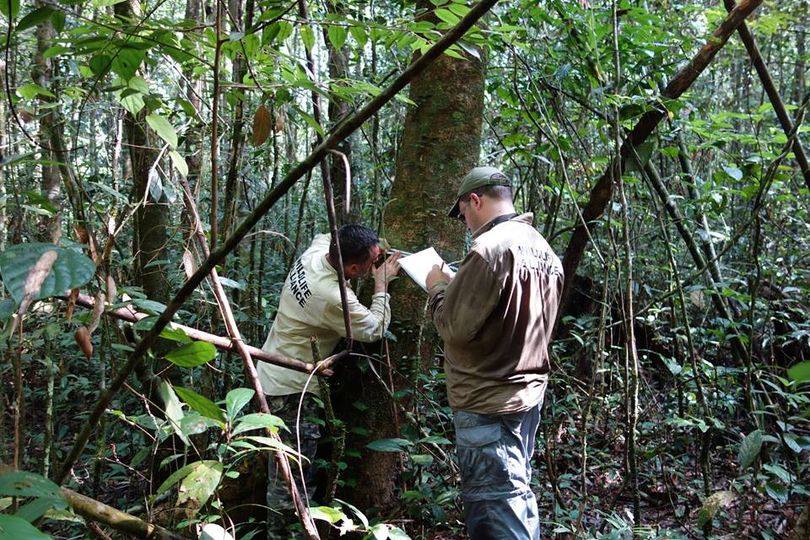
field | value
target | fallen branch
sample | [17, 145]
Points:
[118, 520]
[222, 343]
[340, 132]
[602, 191]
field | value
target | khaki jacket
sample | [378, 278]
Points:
[310, 306]
[496, 318]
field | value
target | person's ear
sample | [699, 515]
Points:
[475, 201]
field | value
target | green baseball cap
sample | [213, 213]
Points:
[476, 178]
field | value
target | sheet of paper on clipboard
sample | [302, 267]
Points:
[419, 264]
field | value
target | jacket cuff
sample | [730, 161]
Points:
[438, 287]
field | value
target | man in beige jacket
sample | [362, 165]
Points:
[495, 317]
[310, 306]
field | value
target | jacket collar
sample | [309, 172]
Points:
[526, 218]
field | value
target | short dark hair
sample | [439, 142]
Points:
[356, 242]
[494, 192]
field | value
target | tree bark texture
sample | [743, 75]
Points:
[42, 72]
[152, 216]
[338, 63]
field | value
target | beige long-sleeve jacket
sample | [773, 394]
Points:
[496, 318]
[310, 306]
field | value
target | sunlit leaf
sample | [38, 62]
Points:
[192, 354]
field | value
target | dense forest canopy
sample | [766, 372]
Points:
[164, 163]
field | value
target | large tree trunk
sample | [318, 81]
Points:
[152, 216]
[49, 226]
[441, 142]
[237, 137]
[194, 89]
[338, 63]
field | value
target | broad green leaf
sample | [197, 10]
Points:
[6, 308]
[71, 269]
[398, 534]
[163, 128]
[10, 8]
[32, 90]
[173, 333]
[276, 445]
[56, 50]
[34, 18]
[201, 483]
[175, 477]
[253, 421]
[777, 492]
[389, 445]
[58, 20]
[359, 34]
[434, 439]
[327, 513]
[800, 372]
[447, 16]
[638, 159]
[173, 408]
[149, 306]
[792, 443]
[749, 449]
[201, 404]
[780, 472]
[421, 459]
[138, 84]
[14, 528]
[236, 400]
[126, 61]
[26, 484]
[99, 63]
[192, 354]
[179, 163]
[307, 36]
[337, 35]
[712, 504]
[193, 423]
[37, 508]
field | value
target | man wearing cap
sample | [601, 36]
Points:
[495, 317]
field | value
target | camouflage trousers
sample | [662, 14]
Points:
[281, 514]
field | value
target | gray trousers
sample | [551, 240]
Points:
[494, 454]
